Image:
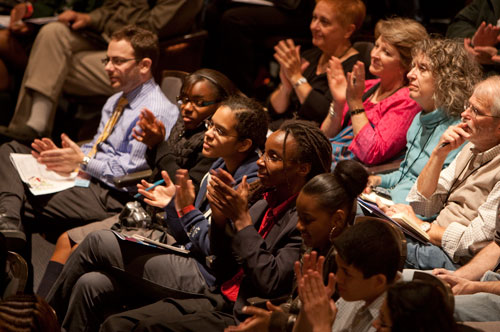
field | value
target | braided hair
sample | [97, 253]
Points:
[313, 146]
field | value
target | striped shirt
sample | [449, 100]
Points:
[355, 316]
[120, 153]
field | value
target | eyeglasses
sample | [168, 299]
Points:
[273, 158]
[183, 100]
[116, 61]
[209, 124]
[475, 112]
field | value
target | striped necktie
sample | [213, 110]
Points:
[108, 128]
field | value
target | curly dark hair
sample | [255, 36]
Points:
[455, 72]
[251, 118]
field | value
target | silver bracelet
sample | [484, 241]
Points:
[300, 81]
[331, 110]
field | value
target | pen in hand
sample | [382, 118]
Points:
[442, 145]
[157, 183]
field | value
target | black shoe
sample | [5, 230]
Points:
[12, 229]
[23, 134]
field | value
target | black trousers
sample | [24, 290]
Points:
[65, 209]
[172, 315]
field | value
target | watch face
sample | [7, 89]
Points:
[425, 226]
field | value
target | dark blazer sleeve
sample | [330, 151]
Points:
[465, 24]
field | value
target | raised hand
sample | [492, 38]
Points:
[454, 137]
[152, 130]
[291, 64]
[60, 160]
[159, 196]
[356, 86]
[318, 308]
[185, 193]
[486, 35]
[233, 204]
[337, 81]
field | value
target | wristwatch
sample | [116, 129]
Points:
[356, 111]
[85, 161]
[425, 226]
[300, 81]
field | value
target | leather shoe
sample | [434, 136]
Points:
[12, 229]
[23, 134]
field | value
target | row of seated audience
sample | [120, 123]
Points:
[244, 220]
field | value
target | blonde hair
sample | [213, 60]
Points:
[403, 34]
[455, 72]
[348, 11]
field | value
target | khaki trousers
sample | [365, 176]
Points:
[61, 60]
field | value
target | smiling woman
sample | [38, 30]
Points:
[303, 91]
[369, 120]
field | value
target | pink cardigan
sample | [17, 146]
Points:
[390, 120]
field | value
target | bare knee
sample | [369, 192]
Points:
[63, 249]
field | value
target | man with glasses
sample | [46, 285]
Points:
[465, 195]
[66, 56]
[113, 152]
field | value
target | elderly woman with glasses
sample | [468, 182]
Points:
[441, 80]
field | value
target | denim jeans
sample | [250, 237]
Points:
[426, 256]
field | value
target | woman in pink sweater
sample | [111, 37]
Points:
[369, 120]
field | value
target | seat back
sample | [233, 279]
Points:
[181, 53]
[16, 274]
[171, 83]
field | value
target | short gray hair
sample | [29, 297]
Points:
[491, 88]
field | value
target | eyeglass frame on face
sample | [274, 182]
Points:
[209, 124]
[274, 159]
[116, 61]
[184, 100]
[475, 112]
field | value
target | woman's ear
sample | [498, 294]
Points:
[349, 31]
[245, 145]
[304, 169]
[339, 218]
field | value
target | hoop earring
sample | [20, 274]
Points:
[331, 233]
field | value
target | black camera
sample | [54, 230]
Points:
[134, 216]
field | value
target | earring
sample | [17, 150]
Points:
[330, 236]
